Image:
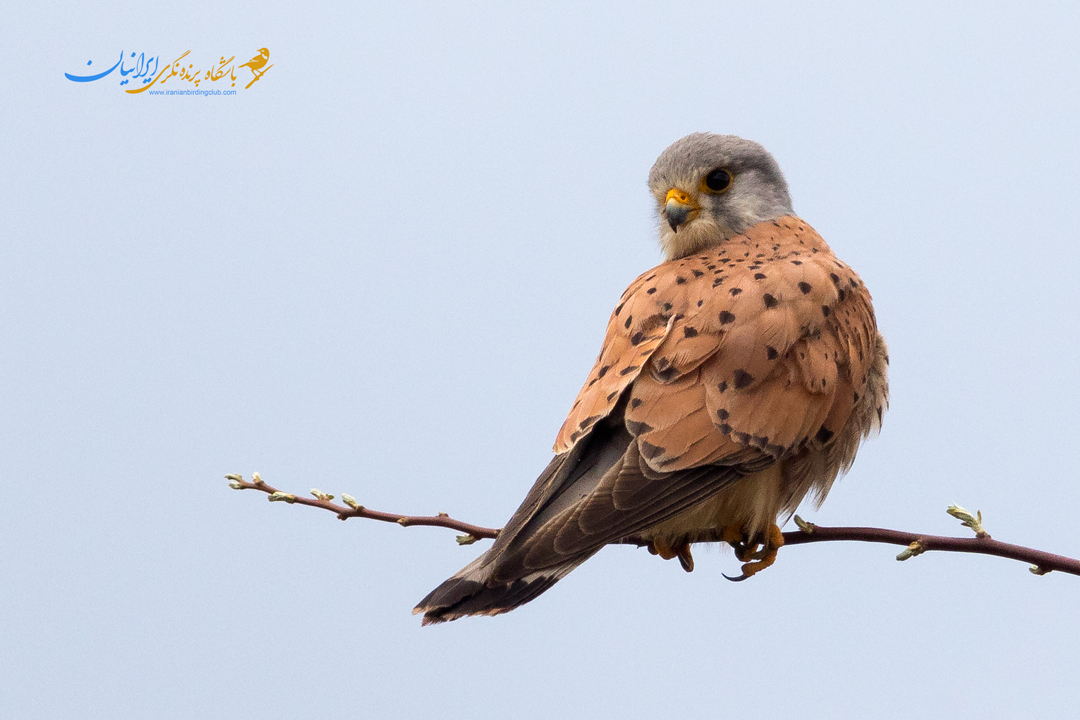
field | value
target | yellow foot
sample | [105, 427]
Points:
[754, 560]
[666, 550]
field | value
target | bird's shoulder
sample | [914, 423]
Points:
[769, 308]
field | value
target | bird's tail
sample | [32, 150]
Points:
[472, 591]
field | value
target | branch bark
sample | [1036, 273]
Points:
[916, 543]
[353, 509]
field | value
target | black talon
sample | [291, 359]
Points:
[686, 559]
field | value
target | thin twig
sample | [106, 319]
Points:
[915, 543]
[354, 509]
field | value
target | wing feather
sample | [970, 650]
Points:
[713, 367]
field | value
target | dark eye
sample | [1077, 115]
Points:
[717, 181]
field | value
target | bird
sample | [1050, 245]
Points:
[256, 63]
[734, 380]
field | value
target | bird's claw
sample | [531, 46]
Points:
[754, 560]
[668, 551]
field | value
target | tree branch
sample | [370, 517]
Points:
[916, 543]
[355, 509]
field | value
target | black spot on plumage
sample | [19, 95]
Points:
[666, 375]
[742, 379]
[629, 320]
[667, 307]
[650, 291]
[717, 282]
[824, 435]
[612, 395]
[796, 262]
[770, 352]
[697, 273]
[589, 421]
[735, 291]
[724, 428]
[726, 317]
[723, 414]
[662, 363]
[835, 278]
[852, 283]
[805, 287]
[629, 369]
[637, 428]
[603, 371]
[722, 387]
[619, 309]
[825, 310]
[843, 294]
[700, 303]
[636, 337]
[759, 276]
[650, 451]
[689, 332]
[680, 280]
[636, 403]
[770, 301]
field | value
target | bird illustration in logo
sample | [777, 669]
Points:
[258, 66]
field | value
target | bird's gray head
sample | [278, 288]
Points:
[711, 187]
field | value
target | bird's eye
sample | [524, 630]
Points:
[718, 181]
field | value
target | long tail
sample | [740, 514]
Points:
[500, 580]
[470, 592]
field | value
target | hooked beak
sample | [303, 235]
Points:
[680, 208]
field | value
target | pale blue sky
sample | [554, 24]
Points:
[385, 270]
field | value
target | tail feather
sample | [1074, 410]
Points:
[469, 592]
[474, 590]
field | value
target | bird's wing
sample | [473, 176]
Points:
[713, 367]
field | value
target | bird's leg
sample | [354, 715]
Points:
[667, 550]
[734, 536]
[754, 560]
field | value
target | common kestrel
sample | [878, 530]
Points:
[734, 379]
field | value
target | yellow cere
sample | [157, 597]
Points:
[679, 196]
